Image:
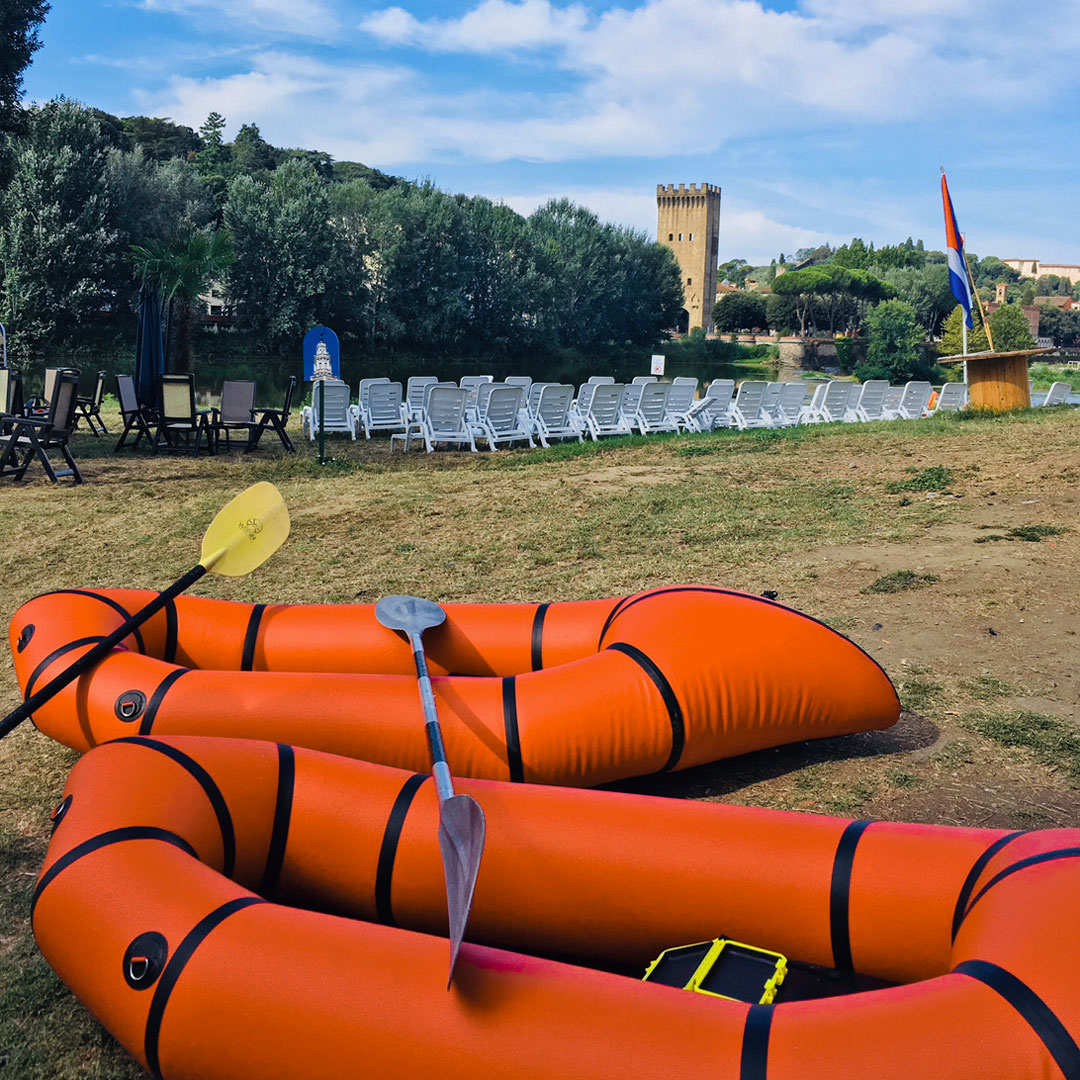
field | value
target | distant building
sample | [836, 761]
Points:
[1035, 269]
[688, 222]
[1031, 313]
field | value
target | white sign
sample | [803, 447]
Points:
[657, 365]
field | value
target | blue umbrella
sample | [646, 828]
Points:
[149, 348]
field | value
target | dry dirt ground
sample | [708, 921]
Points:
[986, 657]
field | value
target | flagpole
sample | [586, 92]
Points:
[978, 300]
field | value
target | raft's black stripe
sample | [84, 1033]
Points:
[105, 839]
[250, 638]
[609, 620]
[510, 725]
[1032, 1008]
[973, 876]
[175, 967]
[385, 872]
[118, 608]
[279, 835]
[840, 895]
[629, 602]
[1023, 864]
[156, 698]
[675, 714]
[55, 655]
[754, 1062]
[537, 649]
[171, 632]
[206, 782]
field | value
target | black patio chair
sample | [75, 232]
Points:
[132, 414]
[39, 406]
[33, 437]
[277, 419]
[236, 413]
[89, 404]
[180, 425]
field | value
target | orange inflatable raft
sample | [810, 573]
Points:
[566, 693]
[233, 909]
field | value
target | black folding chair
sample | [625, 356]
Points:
[277, 419]
[89, 405]
[132, 414]
[237, 412]
[33, 437]
[39, 406]
[178, 419]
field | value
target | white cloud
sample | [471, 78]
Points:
[307, 17]
[664, 78]
[492, 26]
[690, 73]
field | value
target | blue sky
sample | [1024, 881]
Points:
[820, 119]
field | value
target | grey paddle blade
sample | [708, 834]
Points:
[461, 838]
[413, 614]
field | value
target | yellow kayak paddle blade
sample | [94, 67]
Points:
[246, 532]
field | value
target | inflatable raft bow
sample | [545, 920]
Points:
[573, 694]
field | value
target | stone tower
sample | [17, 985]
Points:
[688, 222]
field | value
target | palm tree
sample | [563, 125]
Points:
[181, 268]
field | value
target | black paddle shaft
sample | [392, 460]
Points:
[99, 651]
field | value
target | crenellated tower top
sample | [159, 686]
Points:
[685, 189]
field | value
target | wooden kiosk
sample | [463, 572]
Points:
[997, 380]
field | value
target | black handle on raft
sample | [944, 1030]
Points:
[98, 652]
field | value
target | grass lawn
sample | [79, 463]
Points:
[947, 548]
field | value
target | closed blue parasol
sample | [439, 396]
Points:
[149, 348]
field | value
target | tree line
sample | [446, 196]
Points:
[93, 206]
[831, 290]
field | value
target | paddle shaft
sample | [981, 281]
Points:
[99, 651]
[437, 751]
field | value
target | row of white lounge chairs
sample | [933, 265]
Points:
[480, 410]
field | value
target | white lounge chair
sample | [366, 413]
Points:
[871, 400]
[337, 415]
[652, 413]
[952, 398]
[386, 411]
[893, 396]
[499, 416]
[414, 394]
[360, 409]
[746, 410]
[601, 380]
[582, 403]
[680, 401]
[443, 420]
[551, 418]
[788, 407]
[472, 384]
[524, 381]
[628, 404]
[913, 401]
[714, 409]
[772, 396]
[604, 416]
[641, 380]
[830, 403]
[1058, 393]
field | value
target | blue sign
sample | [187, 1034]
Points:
[312, 339]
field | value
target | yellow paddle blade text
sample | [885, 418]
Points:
[246, 532]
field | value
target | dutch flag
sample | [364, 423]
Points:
[954, 247]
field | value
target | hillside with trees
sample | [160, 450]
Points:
[93, 206]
